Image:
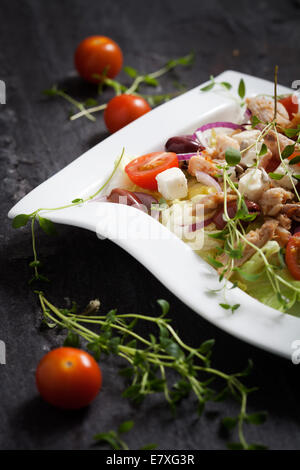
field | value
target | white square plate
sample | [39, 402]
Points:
[165, 255]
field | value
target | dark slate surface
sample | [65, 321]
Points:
[36, 139]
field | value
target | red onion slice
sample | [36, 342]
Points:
[247, 114]
[199, 225]
[186, 156]
[212, 125]
[208, 180]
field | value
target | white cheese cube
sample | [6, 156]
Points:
[252, 184]
[172, 184]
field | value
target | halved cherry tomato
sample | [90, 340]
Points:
[96, 55]
[68, 378]
[143, 170]
[291, 105]
[123, 109]
[292, 255]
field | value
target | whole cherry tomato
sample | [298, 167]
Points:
[96, 55]
[123, 109]
[143, 170]
[68, 378]
[292, 255]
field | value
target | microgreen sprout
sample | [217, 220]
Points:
[227, 87]
[115, 438]
[234, 236]
[92, 106]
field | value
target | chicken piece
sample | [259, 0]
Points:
[282, 235]
[247, 139]
[286, 181]
[265, 159]
[284, 221]
[212, 201]
[258, 237]
[294, 123]
[282, 232]
[272, 143]
[292, 211]
[200, 163]
[263, 108]
[273, 200]
[223, 142]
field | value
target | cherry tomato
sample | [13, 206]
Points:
[292, 255]
[96, 55]
[291, 105]
[68, 378]
[143, 170]
[123, 109]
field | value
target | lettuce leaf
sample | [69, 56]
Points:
[260, 288]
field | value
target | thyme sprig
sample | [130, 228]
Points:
[149, 358]
[56, 92]
[115, 438]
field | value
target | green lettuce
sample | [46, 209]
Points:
[253, 279]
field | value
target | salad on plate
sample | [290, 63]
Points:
[231, 191]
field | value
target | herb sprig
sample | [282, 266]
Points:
[234, 234]
[91, 106]
[115, 438]
[149, 358]
[227, 87]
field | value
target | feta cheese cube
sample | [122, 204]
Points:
[252, 184]
[172, 184]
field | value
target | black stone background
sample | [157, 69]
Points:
[37, 41]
